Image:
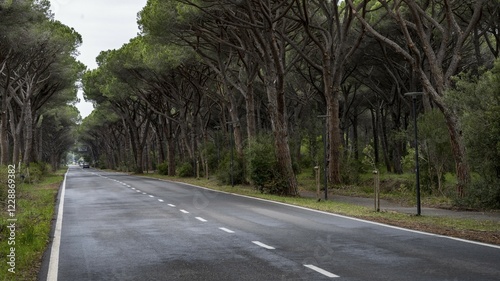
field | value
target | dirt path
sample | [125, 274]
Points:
[386, 205]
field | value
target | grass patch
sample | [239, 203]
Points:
[34, 213]
[478, 230]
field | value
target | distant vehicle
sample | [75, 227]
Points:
[85, 165]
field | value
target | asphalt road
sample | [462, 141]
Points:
[121, 227]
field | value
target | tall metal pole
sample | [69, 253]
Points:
[325, 178]
[417, 168]
[232, 155]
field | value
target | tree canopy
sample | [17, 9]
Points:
[38, 73]
[206, 76]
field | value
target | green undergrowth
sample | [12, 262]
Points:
[34, 213]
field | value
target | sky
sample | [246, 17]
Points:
[103, 25]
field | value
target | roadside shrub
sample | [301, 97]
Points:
[263, 167]
[481, 194]
[34, 172]
[224, 171]
[163, 168]
[210, 154]
[349, 171]
[184, 170]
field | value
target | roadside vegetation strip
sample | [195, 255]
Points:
[485, 231]
[34, 214]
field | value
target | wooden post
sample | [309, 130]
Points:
[376, 180]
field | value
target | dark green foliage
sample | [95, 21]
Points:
[263, 167]
[435, 149]
[35, 172]
[163, 168]
[482, 194]
[185, 170]
[224, 172]
[477, 99]
[209, 151]
[350, 170]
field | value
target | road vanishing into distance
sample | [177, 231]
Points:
[120, 227]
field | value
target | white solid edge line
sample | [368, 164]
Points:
[263, 245]
[56, 243]
[226, 230]
[342, 216]
[320, 270]
[201, 219]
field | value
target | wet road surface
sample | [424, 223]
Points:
[121, 227]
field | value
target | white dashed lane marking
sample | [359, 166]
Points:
[263, 245]
[258, 243]
[320, 270]
[226, 230]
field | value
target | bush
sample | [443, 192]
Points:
[349, 171]
[184, 170]
[263, 167]
[209, 150]
[482, 194]
[224, 171]
[34, 172]
[163, 168]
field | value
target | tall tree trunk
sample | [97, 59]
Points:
[251, 115]
[280, 130]
[170, 149]
[355, 138]
[28, 133]
[236, 124]
[4, 138]
[335, 140]
[459, 153]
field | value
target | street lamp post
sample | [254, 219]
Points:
[217, 143]
[414, 96]
[325, 161]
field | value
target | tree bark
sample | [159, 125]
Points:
[28, 133]
[4, 138]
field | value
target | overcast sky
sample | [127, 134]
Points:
[103, 24]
